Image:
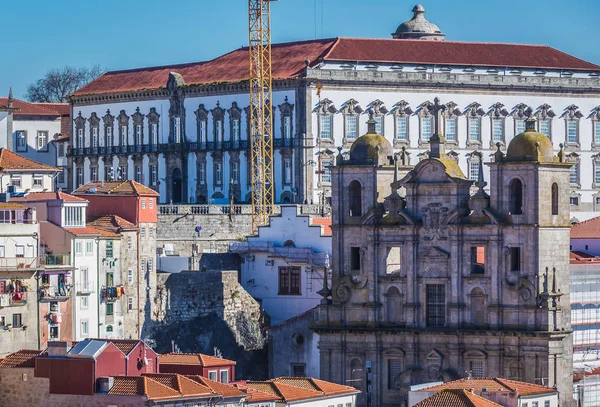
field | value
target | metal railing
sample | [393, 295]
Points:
[85, 287]
[53, 292]
[18, 263]
[241, 209]
[13, 299]
[58, 260]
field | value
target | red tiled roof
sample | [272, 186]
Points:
[12, 205]
[324, 222]
[47, 196]
[29, 109]
[22, 358]
[127, 187]
[193, 359]
[13, 161]
[456, 398]
[91, 231]
[298, 388]
[124, 345]
[64, 109]
[112, 223]
[580, 257]
[219, 388]
[142, 386]
[588, 229]
[186, 387]
[289, 61]
[493, 384]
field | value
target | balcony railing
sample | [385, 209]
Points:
[85, 287]
[13, 299]
[55, 260]
[24, 263]
[244, 209]
[55, 293]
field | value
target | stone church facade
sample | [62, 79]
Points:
[435, 279]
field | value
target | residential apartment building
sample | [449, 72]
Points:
[20, 174]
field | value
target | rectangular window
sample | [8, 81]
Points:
[177, 130]
[298, 369]
[78, 247]
[351, 131]
[109, 136]
[94, 174]
[571, 131]
[574, 201]
[15, 180]
[153, 175]
[235, 173]
[545, 128]
[436, 305]
[574, 174]
[130, 303]
[89, 247]
[219, 131]
[143, 265]
[325, 127]
[109, 249]
[150, 264]
[497, 130]
[150, 205]
[202, 173]
[21, 141]
[426, 128]
[19, 251]
[402, 128]
[129, 243]
[597, 173]
[109, 309]
[224, 376]
[478, 260]
[79, 176]
[235, 130]
[143, 232]
[95, 137]
[287, 127]
[84, 328]
[151, 229]
[515, 259]
[80, 138]
[61, 149]
[108, 173]
[476, 368]
[547, 403]
[122, 173]
[129, 276]
[124, 135]
[534, 404]
[474, 134]
[287, 171]
[597, 132]
[474, 170]
[451, 129]
[84, 302]
[354, 258]
[17, 320]
[394, 372]
[326, 172]
[2, 251]
[138, 135]
[42, 141]
[143, 203]
[212, 375]
[393, 260]
[38, 181]
[138, 173]
[289, 281]
[520, 126]
[378, 124]
[218, 175]
[61, 175]
[202, 131]
[154, 134]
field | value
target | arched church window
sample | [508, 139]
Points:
[555, 199]
[477, 307]
[356, 373]
[289, 243]
[355, 198]
[393, 305]
[516, 197]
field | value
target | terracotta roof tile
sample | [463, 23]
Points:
[142, 386]
[493, 384]
[289, 61]
[13, 161]
[456, 398]
[64, 109]
[91, 231]
[324, 222]
[128, 187]
[23, 108]
[112, 223]
[12, 205]
[588, 229]
[194, 359]
[255, 396]
[47, 196]
[186, 387]
[124, 345]
[219, 388]
[580, 257]
[22, 358]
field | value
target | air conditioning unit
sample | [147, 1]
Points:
[269, 262]
[105, 384]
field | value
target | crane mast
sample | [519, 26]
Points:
[261, 115]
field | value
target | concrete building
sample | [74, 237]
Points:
[421, 265]
[182, 129]
[214, 368]
[285, 263]
[24, 175]
[585, 236]
[503, 392]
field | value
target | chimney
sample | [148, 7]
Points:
[59, 348]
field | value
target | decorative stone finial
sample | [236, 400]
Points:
[498, 155]
[530, 124]
[561, 153]
[10, 98]
[403, 156]
[339, 158]
[371, 124]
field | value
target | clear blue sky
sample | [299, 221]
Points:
[38, 35]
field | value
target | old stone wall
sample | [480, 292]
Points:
[221, 224]
[203, 310]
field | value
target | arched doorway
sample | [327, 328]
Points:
[177, 184]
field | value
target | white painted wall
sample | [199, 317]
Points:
[32, 127]
[3, 129]
[27, 183]
[85, 260]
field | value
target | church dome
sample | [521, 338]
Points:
[530, 146]
[418, 27]
[364, 148]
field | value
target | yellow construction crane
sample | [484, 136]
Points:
[261, 115]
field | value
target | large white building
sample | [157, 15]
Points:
[183, 129]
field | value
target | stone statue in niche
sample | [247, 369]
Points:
[433, 215]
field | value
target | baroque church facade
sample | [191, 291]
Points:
[183, 129]
[434, 279]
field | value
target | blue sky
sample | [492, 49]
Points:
[38, 35]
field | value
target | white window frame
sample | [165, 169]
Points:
[153, 175]
[78, 247]
[351, 127]
[150, 204]
[326, 127]
[89, 244]
[21, 141]
[226, 371]
[287, 171]
[235, 172]
[474, 129]
[84, 328]
[42, 140]
[177, 130]
[287, 127]
[143, 203]
[451, 130]
[215, 373]
[95, 137]
[572, 137]
[129, 276]
[426, 123]
[401, 136]
[38, 181]
[495, 136]
[84, 302]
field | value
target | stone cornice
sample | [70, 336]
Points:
[469, 82]
[188, 90]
